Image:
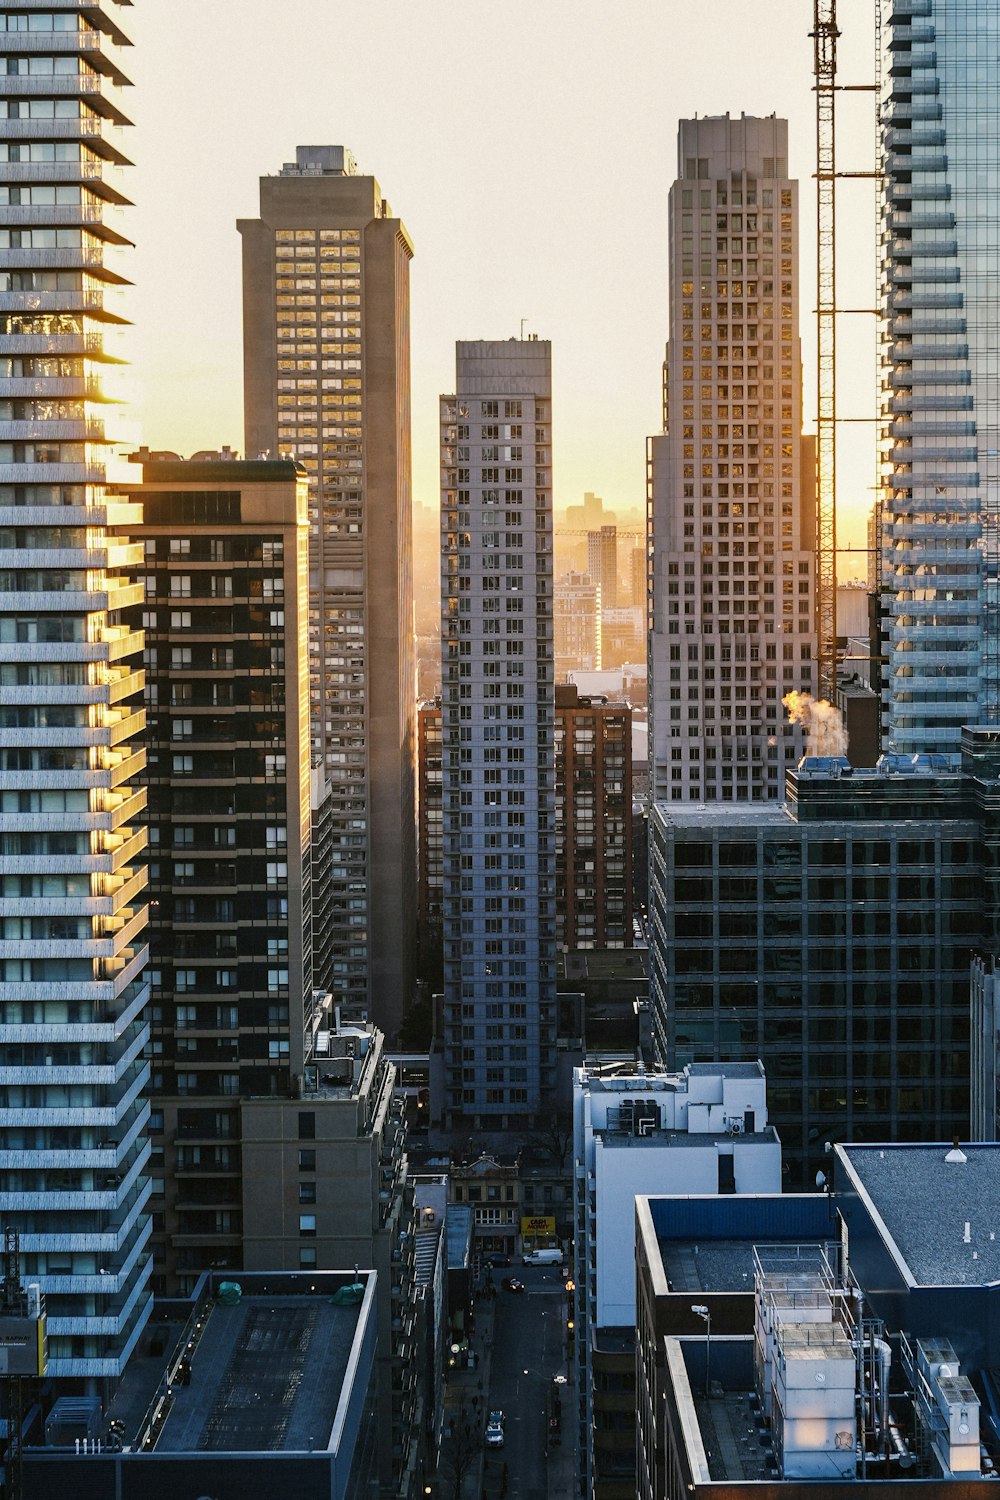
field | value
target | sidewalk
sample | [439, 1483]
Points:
[466, 1403]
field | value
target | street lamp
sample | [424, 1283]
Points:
[702, 1311]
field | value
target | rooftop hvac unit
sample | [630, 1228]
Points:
[626, 1115]
[735, 1127]
[647, 1117]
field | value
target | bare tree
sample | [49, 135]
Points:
[458, 1453]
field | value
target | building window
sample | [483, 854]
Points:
[307, 1126]
[307, 1160]
[307, 1258]
[307, 1225]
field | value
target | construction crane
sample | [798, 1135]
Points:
[824, 34]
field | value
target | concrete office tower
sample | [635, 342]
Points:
[327, 380]
[73, 1152]
[731, 481]
[941, 403]
[602, 563]
[577, 642]
[226, 573]
[497, 732]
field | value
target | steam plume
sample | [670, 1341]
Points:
[824, 727]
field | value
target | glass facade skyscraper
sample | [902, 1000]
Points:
[941, 407]
[73, 1151]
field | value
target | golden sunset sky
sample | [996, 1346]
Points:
[528, 145]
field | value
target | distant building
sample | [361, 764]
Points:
[577, 625]
[732, 479]
[602, 563]
[638, 572]
[589, 516]
[702, 1131]
[327, 382]
[623, 635]
[766, 1386]
[831, 936]
[497, 727]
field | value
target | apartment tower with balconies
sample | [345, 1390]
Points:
[73, 992]
[940, 497]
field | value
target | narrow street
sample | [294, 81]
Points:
[529, 1351]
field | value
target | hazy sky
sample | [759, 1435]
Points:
[528, 145]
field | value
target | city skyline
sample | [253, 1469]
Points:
[516, 251]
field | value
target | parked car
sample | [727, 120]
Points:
[542, 1258]
[495, 1429]
[499, 1260]
[511, 1284]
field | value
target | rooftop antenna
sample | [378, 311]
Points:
[523, 321]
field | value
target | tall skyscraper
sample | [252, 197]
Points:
[941, 406]
[73, 1153]
[227, 765]
[497, 731]
[327, 380]
[602, 563]
[732, 482]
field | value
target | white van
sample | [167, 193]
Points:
[542, 1258]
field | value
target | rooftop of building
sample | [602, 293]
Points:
[266, 1373]
[939, 1211]
[321, 161]
[624, 1075]
[714, 1265]
[684, 1140]
[223, 467]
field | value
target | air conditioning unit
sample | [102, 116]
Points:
[735, 1127]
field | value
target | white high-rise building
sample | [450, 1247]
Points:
[732, 480]
[497, 720]
[73, 1148]
[698, 1132]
